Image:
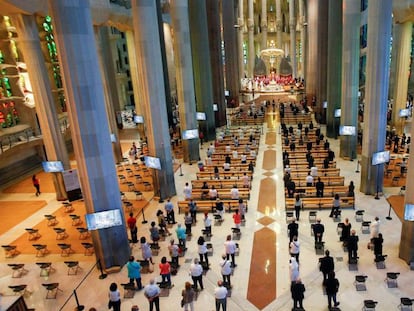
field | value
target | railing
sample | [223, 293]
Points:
[14, 139]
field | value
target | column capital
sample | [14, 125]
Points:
[240, 22]
[263, 24]
[250, 22]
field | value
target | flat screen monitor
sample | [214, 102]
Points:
[404, 113]
[215, 107]
[190, 134]
[138, 119]
[226, 93]
[152, 162]
[409, 212]
[102, 220]
[200, 116]
[380, 157]
[347, 130]
[337, 113]
[113, 138]
[52, 166]
[325, 104]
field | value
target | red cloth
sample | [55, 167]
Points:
[132, 222]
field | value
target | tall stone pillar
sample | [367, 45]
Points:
[334, 67]
[107, 67]
[84, 93]
[202, 66]
[264, 25]
[403, 58]
[240, 32]
[350, 75]
[45, 106]
[251, 55]
[184, 76]
[169, 69]
[135, 71]
[279, 30]
[292, 29]
[217, 71]
[375, 113]
[303, 29]
[316, 76]
[147, 28]
[230, 50]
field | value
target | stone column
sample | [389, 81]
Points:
[202, 66]
[375, 114]
[251, 55]
[184, 76]
[107, 67]
[135, 71]
[292, 29]
[53, 140]
[147, 28]
[230, 50]
[334, 67]
[240, 32]
[303, 29]
[217, 70]
[403, 57]
[264, 25]
[84, 93]
[279, 30]
[350, 75]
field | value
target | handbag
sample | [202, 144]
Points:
[182, 303]
[109, 304]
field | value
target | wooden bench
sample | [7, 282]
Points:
[328, 180]
[328, 191]
[320, 203]
[235, 166]
[218, 184]
[303, 172]
[227, 175]
[210, 206]
[223, 194]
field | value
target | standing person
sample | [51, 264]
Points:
[293, 229]
[220, 207]
[351, 189]
[196, 271]
[318, 230]
[165, 272]
[294, 248]
[326, 265]
[187, 191]
[161, 222]
[293, 269]
[237, 219]
[234, 193]
[298, 206]
[319, 185]
[192, 206]
[207, 224]
[36, 184]
[378, 246]
[134, 272]
[181, 236]
[353, 246]
[230, 247]
[169, 208]
[146, 250]
[298, 289]
[154, 234]
[242, 209]
[174, 253]
[188, 222]
[132, 225]
[374, 228]
[188, 295]
[152, 292]
[346, 232]
[202, 250]
[220, 293]
[114, 298]
[336, 205]
[332, 286]
[225, 269]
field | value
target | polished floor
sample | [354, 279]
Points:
[261, 279]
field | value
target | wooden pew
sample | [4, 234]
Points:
[210, 206]
[232, 174]
[320, 203]
[223, 193]
[328, 180]
[218, 183]
[328, 191]
[303, 171]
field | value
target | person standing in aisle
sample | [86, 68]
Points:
[220, 293]
[36, 184]
[152, 292]
[114, 298]
[134, 272]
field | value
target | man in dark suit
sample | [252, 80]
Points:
[352, 247]
[293, 229]
[290, 186]
[318, 230]
[326, 265]
[319, 185]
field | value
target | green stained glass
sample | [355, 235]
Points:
[48, 19]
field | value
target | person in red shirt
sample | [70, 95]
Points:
[165, 272]
[132, 225]
[237, 219]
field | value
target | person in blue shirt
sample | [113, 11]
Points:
[169, 209]
[181, 235]
[134, 272]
